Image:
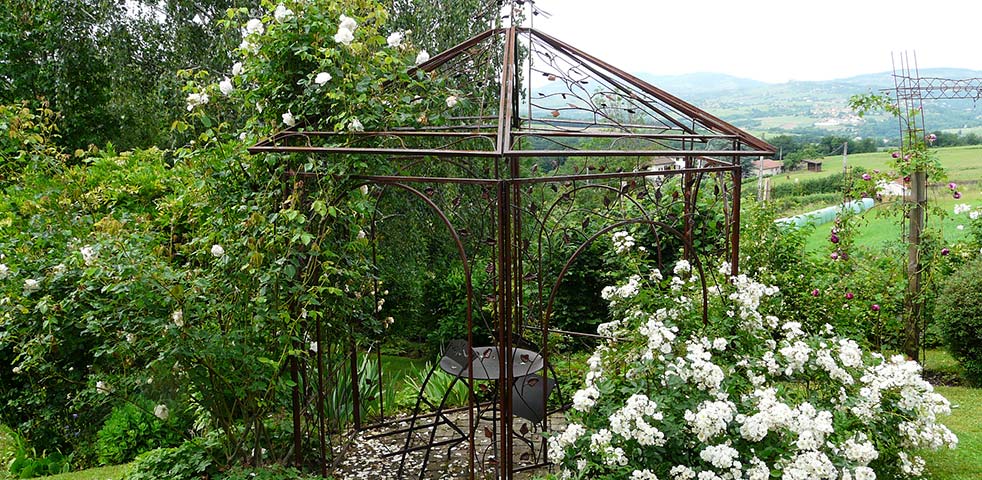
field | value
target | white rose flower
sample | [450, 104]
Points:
[88, 254]
[178, 318]
[452, 101]
[161, 411]
[103, 387]
[322, 78]
[58, 269]
[4, 271]
[225, 86]
[347, 23]
[422, 57]
[395, 39]
[217, 250]
[237, 69]
[288, 119]
[282, 14]
[196, 99]
[31, 285]
[344, 36]
[254, 27]
[356, 125]
[249, 47]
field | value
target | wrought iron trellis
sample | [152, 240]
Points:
[524, 159]
[910, 90]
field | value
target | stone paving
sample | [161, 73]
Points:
[366, 457]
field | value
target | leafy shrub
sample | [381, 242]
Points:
[267, 473]
[958, 312]
[29, 467]
[189, 461]
[27, 463]
[835, 183]
[133, 428]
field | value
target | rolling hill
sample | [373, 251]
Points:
[808, 107]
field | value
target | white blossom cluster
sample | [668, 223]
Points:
[811, 426]
[859, 449]
[810, 465]
[660, 337]
[697, 367]
[747, 296]
[196, 99]
[628, 290]
[623, 242]
[585, 398]
[631, 422]
[668, 366]
[710, 419]
[558, 443]
[772, 415]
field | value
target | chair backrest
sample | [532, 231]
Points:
[529, 395]
[454, 359]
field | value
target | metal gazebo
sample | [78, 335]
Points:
[553, 124]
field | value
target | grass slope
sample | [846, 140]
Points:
[962, 163]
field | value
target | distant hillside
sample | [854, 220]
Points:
[812, 107]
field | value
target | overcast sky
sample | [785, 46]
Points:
[769, 40]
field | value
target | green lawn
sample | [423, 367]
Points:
[965, 462]
[114, 472]
[875, 228]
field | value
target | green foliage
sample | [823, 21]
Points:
[192, 460]
[30, 467]
[438, 387]
[26, 462]
[28, 141]
[274, 472]
[133, 428]
[959, 313]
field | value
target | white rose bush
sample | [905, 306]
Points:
[695, 383]
[337, 66]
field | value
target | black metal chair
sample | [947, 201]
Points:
[453, 361]
[530, 395]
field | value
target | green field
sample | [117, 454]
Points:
[961, 163]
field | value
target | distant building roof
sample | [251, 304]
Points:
[767, 164]
[813, 162]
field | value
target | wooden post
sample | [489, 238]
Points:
[915, 304]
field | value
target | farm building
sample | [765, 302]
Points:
[765, 168]
[813, 165]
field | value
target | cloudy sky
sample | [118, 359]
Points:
[769, 40]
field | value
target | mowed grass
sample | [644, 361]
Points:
[113, 472]
[964, 462]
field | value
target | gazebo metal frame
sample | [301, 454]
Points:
[587, 114]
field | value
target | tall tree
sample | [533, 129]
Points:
[109, 66]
